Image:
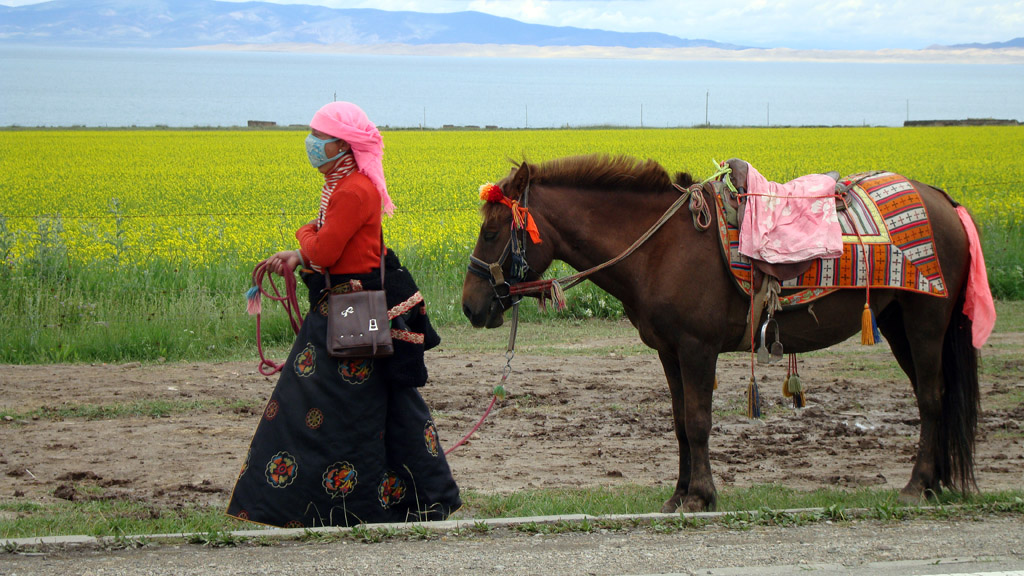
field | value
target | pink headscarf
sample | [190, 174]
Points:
[347, 121]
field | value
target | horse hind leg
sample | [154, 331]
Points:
[923, 479]
[942, 367]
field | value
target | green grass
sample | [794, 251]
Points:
[109, 518]
[745, 507]
[150, 408]
[1003, 246]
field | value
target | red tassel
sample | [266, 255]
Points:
[254, 303]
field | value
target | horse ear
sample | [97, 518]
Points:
[520, 180]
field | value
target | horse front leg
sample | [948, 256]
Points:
[670, 363]
[691, 380]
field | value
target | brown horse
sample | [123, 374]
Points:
[677, 291]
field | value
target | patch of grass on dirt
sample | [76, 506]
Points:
[109, 518]
[1009, 316]
[147, 408]
[1004, 398]
[618, 500]
[549, 337]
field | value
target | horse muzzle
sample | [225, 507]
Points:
[492, 316]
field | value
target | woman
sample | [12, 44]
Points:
[345, 442]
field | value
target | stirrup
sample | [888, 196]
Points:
[764, 356]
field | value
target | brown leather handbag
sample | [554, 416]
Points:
[357, 322]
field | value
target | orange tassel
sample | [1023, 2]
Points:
[867, 331]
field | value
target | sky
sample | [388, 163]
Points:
[799, 24]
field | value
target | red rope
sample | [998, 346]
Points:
[475, 428]
[291, 305]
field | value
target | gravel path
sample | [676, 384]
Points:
[859, 547]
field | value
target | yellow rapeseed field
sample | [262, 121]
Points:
[193, 198]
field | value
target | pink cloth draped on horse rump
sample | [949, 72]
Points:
[791, 222]
[978, 304]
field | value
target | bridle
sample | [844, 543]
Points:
[515, 248]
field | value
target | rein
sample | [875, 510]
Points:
[553, 288]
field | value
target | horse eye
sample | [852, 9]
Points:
[490, 235]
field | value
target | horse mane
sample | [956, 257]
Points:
[596, 171]
[606, 171]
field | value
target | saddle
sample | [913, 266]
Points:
[735, 207]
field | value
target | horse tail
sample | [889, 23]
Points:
[960, 403]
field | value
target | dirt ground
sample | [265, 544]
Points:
[585, 419]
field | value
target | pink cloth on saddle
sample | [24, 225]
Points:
[978, 304]
[791, 222]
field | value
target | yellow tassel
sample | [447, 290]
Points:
[795, 386]
[867, 332]
[716, 382]
[753, 400]
[785, 388]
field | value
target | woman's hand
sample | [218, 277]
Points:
[284, 262]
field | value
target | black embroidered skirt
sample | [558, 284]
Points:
[339, 445]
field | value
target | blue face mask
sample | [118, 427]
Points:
[317, 154]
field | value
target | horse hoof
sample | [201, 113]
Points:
[670, 506]
[693, 504]
[911, 497]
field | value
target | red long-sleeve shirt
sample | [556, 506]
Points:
[349, 240]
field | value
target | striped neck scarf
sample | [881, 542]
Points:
[345, 166]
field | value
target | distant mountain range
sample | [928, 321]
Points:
[191, 23]
[184, 23]
[1015, 43]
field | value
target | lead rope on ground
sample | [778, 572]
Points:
[499, 390]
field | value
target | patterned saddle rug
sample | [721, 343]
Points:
[887, 243]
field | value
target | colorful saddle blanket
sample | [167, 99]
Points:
[887, 243]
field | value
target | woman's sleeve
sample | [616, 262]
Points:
[344, 216]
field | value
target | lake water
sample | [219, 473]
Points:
[49, 86]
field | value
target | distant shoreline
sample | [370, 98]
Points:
[257, 125]
[932, 55]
